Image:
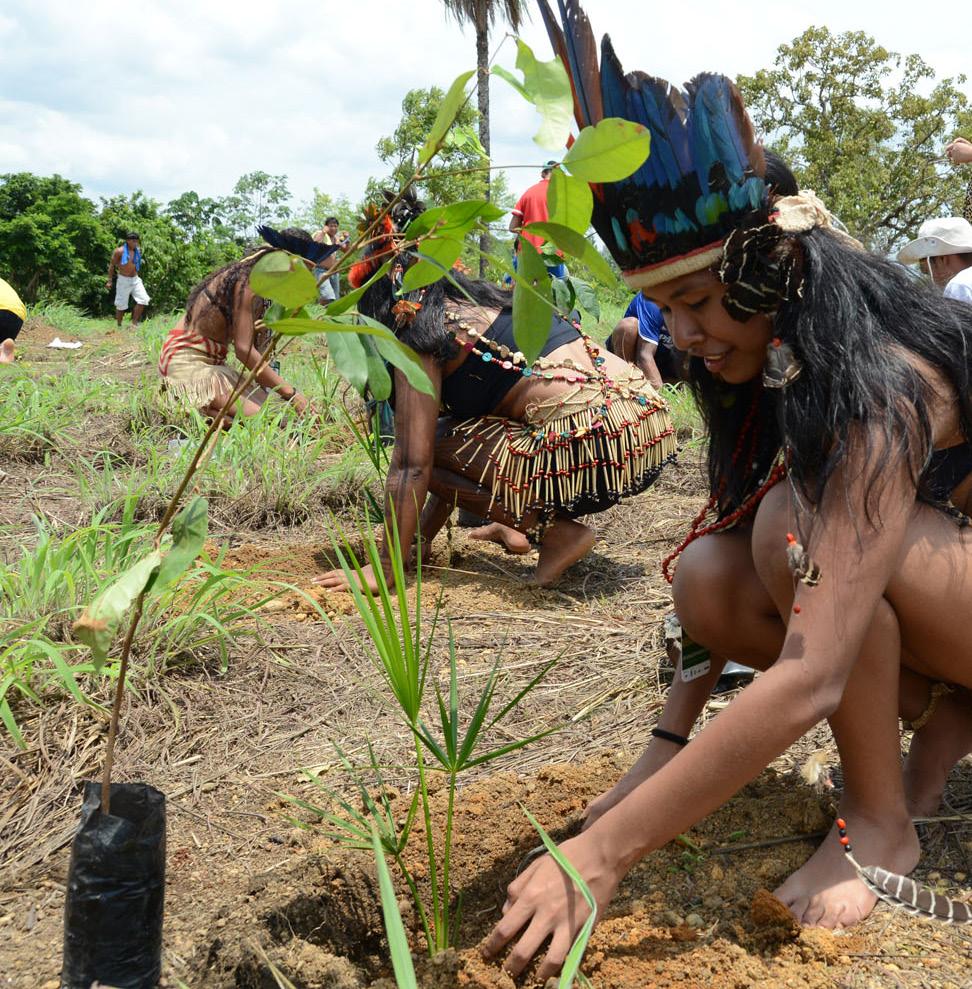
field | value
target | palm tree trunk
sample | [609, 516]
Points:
[482, 65]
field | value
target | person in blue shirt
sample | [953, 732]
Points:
[641, 339]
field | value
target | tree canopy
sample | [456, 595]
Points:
[864, 128]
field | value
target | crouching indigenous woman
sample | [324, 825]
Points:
[530, 447]
[837, 554]
[223, 311]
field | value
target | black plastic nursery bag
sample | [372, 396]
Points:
[116, 885]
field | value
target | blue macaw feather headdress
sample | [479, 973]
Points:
[703, 177]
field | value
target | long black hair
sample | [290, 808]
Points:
[427, 333]
[857, 330]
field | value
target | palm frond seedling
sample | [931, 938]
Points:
[456, 744]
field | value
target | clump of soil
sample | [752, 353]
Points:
[675, 923]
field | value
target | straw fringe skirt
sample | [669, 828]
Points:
[576, 454]
[192, 379]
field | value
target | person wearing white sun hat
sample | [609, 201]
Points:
[945, 245]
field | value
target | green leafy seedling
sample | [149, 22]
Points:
[546, 86]
[609, 151]
[283, 278]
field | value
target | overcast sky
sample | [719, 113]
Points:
[174, 95]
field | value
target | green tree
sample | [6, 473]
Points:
[482, 14]
[864, 128]
[196, 214]
[52, 242]
[257, 198]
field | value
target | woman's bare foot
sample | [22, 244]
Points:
[511, 540]
[564, 543]
[827, 892]
[934, 751]
[652, 759]
[6, 352]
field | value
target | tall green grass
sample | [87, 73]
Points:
[45, 588]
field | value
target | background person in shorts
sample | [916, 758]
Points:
[642, 339]
[127, 262]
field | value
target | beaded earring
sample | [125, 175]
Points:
[801, 566]
[782, 368]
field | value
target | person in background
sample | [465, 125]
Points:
[945, 245]
[127, 262]
[531, 207]
[641, 339]
[12, 316]
[329, 235]
[223, 311]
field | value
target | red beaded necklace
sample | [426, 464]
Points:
[748, 507]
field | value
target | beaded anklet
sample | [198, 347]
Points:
[938, 691]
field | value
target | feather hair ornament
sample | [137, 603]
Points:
[703, 177]
[903, 893]
[303, 247]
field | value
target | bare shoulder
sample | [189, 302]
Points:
[946, 425]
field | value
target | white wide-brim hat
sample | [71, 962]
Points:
[946, 235]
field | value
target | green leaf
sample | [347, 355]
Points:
[350, 359]
[454, 219]
[446, 117]
[609, 151]
[97, 625]
[394, 928]
[569, 201]
[350, 300]
[546, 86]
[563, 294]
[532, 302]
[379, 380]
[572, 962]
[407, 361]
[436, 256]
[576, 245]
[283, 278]
[587, 297]
[189, 530]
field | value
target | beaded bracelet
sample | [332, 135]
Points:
[669, 736]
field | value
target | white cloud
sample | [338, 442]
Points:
[191, 94]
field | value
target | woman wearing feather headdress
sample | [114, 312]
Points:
[836, 552]
[222, 310]
[530, 447]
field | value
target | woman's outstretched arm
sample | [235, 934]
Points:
[407, 484]
[804, 686]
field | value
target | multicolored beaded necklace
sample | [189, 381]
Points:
[515, 362]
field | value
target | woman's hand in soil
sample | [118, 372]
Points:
[543, 902]
[300, 403]
[336, 580]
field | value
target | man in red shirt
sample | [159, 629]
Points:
[531, 207]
